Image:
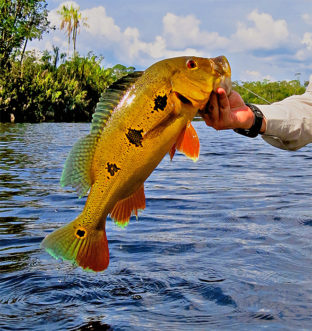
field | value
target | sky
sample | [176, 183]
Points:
[263, 39]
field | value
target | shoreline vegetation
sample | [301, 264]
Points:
[55, 87]
[40, 90]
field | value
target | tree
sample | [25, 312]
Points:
[71, 19]
[66, 23]
[76, 25]
[20, 21]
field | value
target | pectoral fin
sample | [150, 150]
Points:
[187, 143]
[124, 208]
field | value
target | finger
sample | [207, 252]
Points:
[223, 99]
[220, 90]
[213, 108]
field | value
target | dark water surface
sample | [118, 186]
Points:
[224, 243]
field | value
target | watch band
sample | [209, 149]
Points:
[256, 127]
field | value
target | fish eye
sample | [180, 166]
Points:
[191, 64]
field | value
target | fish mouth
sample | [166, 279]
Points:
[183, 99]
[199, 104]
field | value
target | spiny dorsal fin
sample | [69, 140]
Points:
[110, 99]
[77, 169]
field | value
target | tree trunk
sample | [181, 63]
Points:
[24, 49]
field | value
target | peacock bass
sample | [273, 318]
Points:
[137, 121]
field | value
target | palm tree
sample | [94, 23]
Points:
[76, 16]
[71, 18]
[66, 23]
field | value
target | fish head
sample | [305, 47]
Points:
[194, 78]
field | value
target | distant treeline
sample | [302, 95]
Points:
[40, 90]
[37, 90]
[267, 92]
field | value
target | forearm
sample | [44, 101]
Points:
[288, 124]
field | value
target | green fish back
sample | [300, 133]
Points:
[77, 169]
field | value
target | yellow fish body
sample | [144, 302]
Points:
[137, 121]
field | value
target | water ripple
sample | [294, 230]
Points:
[224, 243]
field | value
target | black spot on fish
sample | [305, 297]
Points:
[160, 102]
[135, 137]
[112, 168]
[80, 233]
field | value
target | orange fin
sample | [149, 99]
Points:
[83, 247]
[187, 143]
[124, 208]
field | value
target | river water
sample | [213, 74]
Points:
[223, 244]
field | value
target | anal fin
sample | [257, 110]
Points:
[187, 143]
[125, 208]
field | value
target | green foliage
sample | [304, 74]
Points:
[270, 91]
[40, 91]
[20, 21]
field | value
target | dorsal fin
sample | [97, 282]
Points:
[110, 99]
[77, 169]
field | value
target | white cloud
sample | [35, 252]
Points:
[307, 18]
[307, 40]
[305, 53]
[184, 31]
[128, 44]
[266, 33]
[253, 75]
[99, 24]
[181, 35]
[187, 35]
[37, 52]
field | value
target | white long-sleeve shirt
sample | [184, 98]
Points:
[289, 122]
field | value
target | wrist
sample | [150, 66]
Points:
[249, 119]
[252, 129]
[263, 126]
[250, 122]
[244, 118]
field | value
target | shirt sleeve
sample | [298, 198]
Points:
[289, 122]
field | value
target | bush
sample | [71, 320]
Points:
[38, 90]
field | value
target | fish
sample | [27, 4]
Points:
[137, 121]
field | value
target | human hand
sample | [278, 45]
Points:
[227, 112]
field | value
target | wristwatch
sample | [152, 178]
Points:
[256, 127]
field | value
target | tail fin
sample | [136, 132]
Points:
[88, 249]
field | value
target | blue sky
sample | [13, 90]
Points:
[264, 39]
